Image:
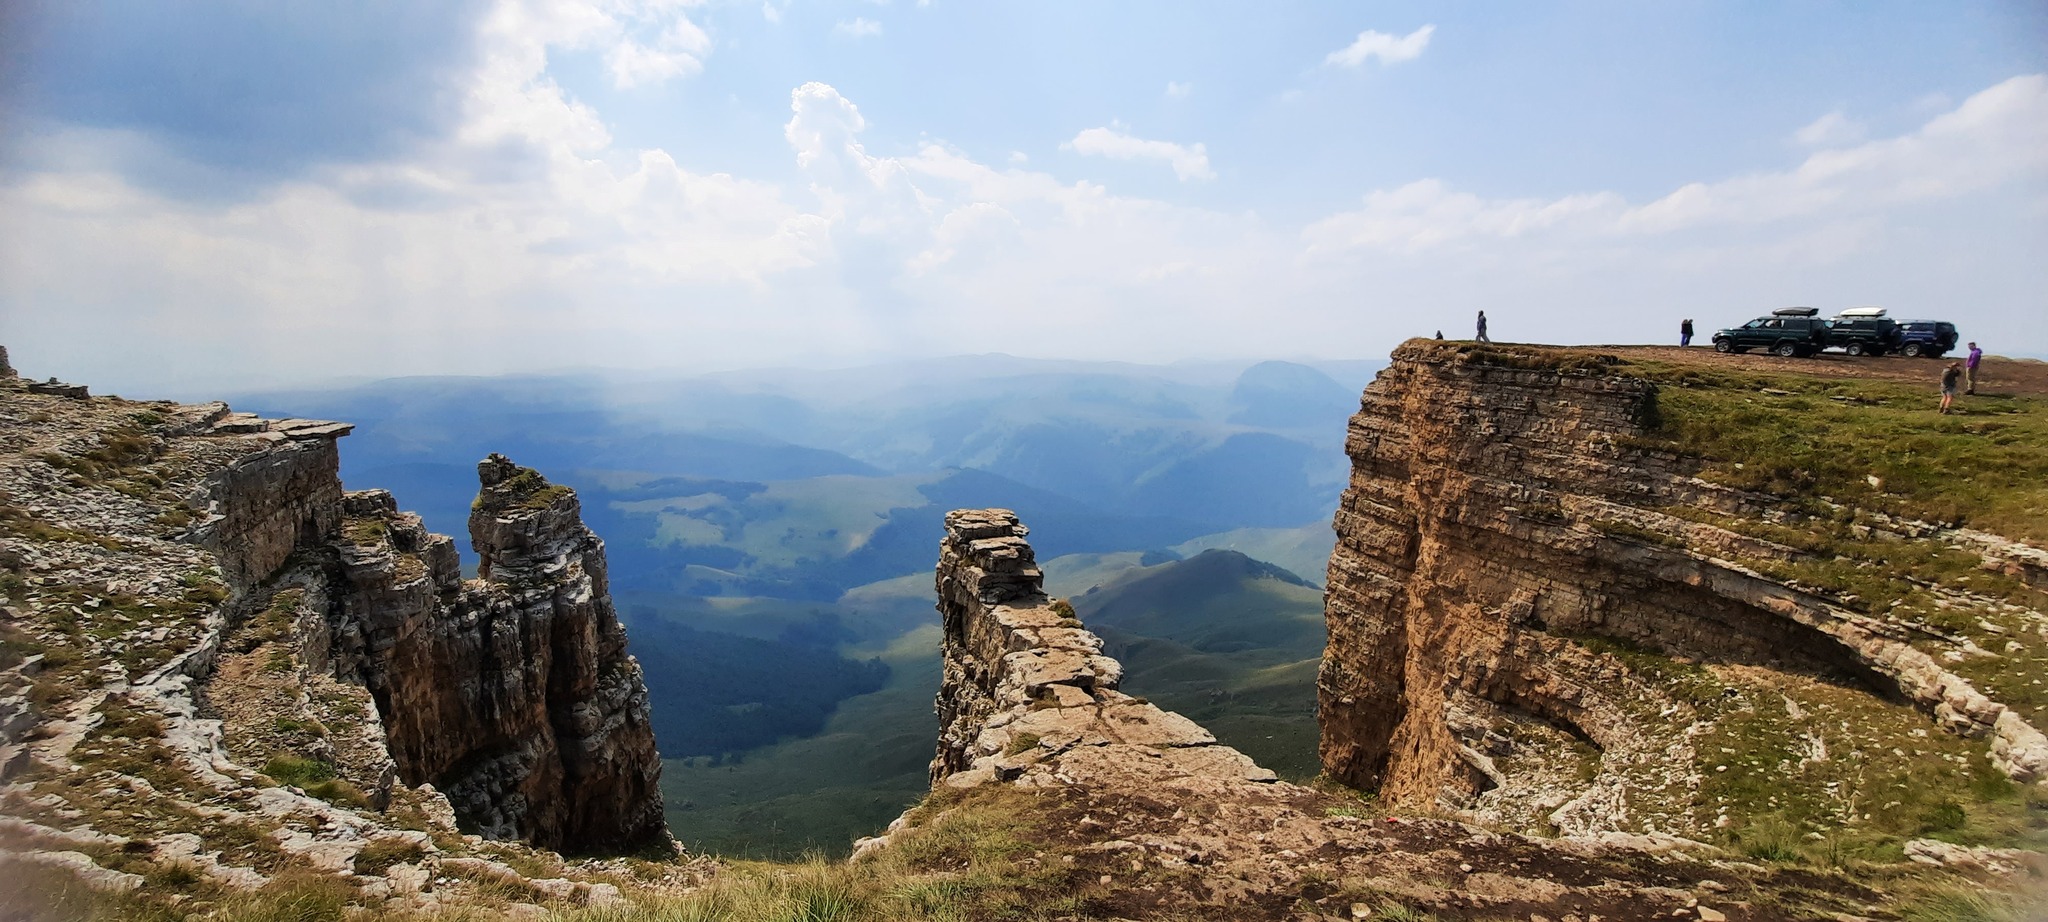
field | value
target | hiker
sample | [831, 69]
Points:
[1685, 332]
[1482, 328]
[1970, 368]
[1948, 384]
[1439, 334]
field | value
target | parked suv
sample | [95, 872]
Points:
[1787, 331]
[1926, 337]
[1863, 331]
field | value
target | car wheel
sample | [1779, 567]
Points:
[1910, 350]
[1722, 345]
[1785, 349]
[1853, 348]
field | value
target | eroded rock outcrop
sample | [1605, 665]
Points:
[512, 694]
[1128, 811]
[1506, 532]
[1025, 684]
[213, 658]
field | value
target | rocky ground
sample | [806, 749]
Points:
[179, 737]
[168, 745]
[1132, 812]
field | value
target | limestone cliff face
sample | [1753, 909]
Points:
[1128, 811]
[1500, 513]
[213, 659]
[1026, 684]
[511, 694]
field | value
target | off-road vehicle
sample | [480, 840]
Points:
[1863, 331]
[1787, 331]
[1926, 337]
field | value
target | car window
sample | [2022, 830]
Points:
[1754, 324]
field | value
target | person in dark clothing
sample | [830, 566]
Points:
[1685, 332]
[1439, 334]
[1948, 384]
[1482, 328]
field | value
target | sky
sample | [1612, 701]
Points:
[241, 193]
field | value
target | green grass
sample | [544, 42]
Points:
[316, 778]
[364, 532]
[1986, 467]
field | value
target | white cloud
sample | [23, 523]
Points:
[771, 12]
[857, 28]
[1998, 136]
[679, 52]
[1831, 130]
[1178, 90]
[1189, 161]
[534, 238]
[1389, 49]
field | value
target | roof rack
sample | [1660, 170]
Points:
[1795, 311]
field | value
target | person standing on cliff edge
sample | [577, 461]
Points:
[1482, 328]
[1948, 384]
[1970, 368]
[1685, 332]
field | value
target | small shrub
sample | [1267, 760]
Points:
[298, 771]
[381, 854]
[1020, 743]
[1945, 816]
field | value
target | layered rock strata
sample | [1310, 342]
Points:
[1494, 519]
[513, 693]
[1128, 811]
[1025, 683]
[213, 657]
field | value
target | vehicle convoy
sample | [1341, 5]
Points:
[1787, 331]
[1863, 331]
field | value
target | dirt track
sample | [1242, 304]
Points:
[1997, 375]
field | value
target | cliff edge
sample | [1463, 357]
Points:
[1572, 593]
[217, 664]
[1057, 793]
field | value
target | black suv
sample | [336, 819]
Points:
[1863, 331]
[1787, 331]
[1926, 337]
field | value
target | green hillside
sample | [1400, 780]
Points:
[1231, 642]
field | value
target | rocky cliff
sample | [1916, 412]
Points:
[1542, 612]
[1058, 792]
[213, 657]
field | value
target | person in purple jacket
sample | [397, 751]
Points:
[1970, 368]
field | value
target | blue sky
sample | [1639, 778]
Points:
[243, 192]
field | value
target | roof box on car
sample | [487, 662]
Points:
[1862, 312]
[1796, 311]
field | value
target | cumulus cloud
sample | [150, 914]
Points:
[1178, 90]
[1388, 49]
[528, 236]
[679, 52]
[1189, 161]
[858, 27]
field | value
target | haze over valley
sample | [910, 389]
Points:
[771, 535]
